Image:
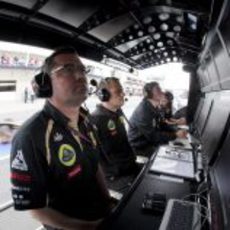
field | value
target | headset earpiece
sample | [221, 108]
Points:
[103, 94]
[42, 85]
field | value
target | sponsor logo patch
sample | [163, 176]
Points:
[75, 171]
[111, 125]
[67, 155]
[20, 177]
[19, 162]
[58, 137]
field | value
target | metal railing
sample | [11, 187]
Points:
[5, 206]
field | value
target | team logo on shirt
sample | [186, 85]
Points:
[58, 137]
[122, 119]
[154, 122]
[111, 125]
[67, 155]
[19, 162]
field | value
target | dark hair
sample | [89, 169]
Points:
[49, 61]
[148, 88]
[169, 95]
[104, 83]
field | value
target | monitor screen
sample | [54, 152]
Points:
[221, 171]
[204, 114]
[216, 127]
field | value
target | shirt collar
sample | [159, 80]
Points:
[59, 117]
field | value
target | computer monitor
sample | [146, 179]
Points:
[216, 127]
[204, 114]
[220, 192]
[198, 110]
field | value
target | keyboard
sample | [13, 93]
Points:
[181, 215]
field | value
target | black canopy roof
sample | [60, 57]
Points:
[140, 33]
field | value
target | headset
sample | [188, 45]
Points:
[42, 85]
[103, 94]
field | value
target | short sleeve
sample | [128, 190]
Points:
[29, 172]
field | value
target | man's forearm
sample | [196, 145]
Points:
[55, 219]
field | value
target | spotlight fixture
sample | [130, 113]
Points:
[130, 37]
[136, 26]
[170, 42]
[148, 41]
[151, 47]
[177, 28]
[164, 27]
[151, 29]
[170, 34]
[175, 59]
[140, 33]
[147, 20]
[179, 19]
[163, 16]
[157, 36]
[160, 44]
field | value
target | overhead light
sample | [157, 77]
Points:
[163, 16]
[130, 37]
[179, 19]
[151, 47]
[170, 34]
[151, 29]
[141, 44]
[147, 20]
[157, 36]
[140, 33]
[164, 26]
[165, 54]
[170, 42]
[175, 59]
[174, 52]
[144, 50]
[136, 26]
[168, 59]
[160, 44]
[177, 28]
[148, 41]
[162, 62]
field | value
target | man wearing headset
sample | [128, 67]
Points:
[145, 130]
[54, 158]
[118, 160]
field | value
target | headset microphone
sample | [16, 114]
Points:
[93, 82]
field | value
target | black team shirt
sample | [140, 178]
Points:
[54, 164]
[119, 159]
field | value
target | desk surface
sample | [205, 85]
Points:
[130, 215]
